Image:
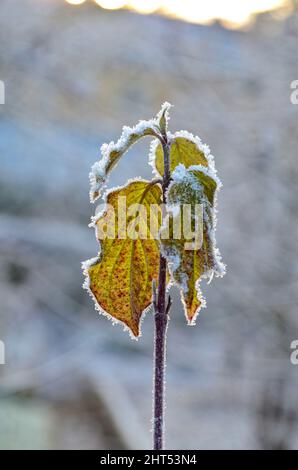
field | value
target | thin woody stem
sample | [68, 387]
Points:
[161, 308]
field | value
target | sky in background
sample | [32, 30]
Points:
[233, 13]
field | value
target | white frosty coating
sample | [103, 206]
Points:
[91, 262]
[183, 175]
[98, 175]
[200, 145]
[174, 260]
[165, 108]
[86, 285]
[98, 178]
[180, 173]
[152, 153]
[200, 298]
[183, 282]
[187, 135]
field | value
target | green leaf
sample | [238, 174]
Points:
[186, 150]
[187, 266]
[163, 118]
[120, 280]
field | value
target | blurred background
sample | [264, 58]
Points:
[74, 72]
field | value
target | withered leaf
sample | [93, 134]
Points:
[121, 279]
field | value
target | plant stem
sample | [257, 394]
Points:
[161, 321]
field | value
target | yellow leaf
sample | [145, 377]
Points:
[182, 150]
[121, 279]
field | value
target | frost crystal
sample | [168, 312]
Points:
[188, 156]
[198, 142]
[191, 256]
[112, 152]
[197, 184]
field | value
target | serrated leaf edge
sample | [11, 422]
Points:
[220, 268]
[187, 135]
[86, 285]
[99, 174]
[92, 261]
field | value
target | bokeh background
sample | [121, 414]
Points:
[74, 74]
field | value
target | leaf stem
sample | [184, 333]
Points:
[161, 310]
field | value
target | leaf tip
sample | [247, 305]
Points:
[163, 117]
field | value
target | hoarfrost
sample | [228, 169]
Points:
[196, 140]
[86, 285]
[187, 188]
[152, 155]
[200, 145]
[112, 152]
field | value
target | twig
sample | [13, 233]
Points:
[161, 322]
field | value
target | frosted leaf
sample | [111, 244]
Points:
[112, 152]
[163, 117]
[185, 148]
[197, 185]
[120, 278]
